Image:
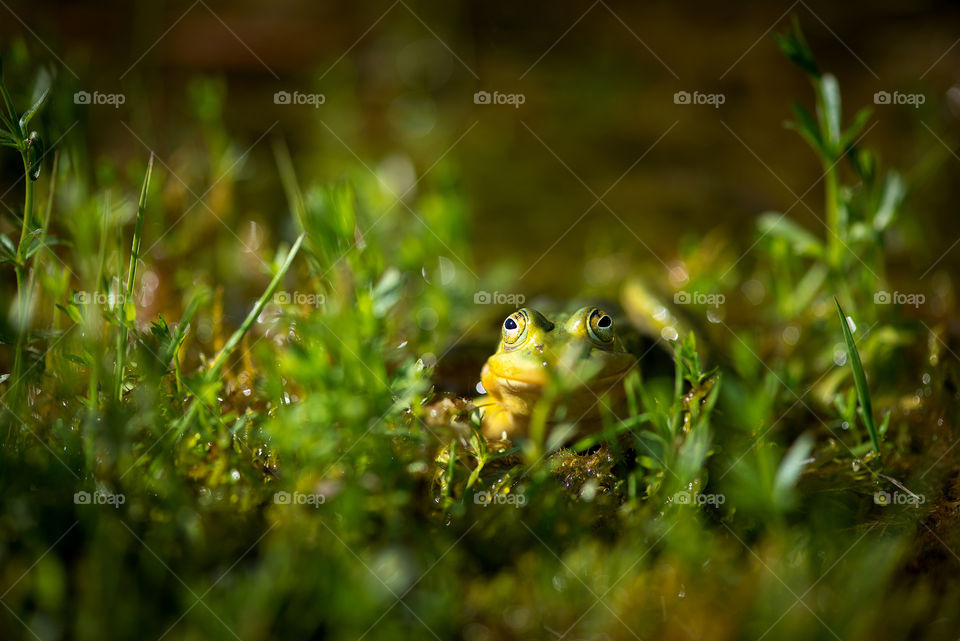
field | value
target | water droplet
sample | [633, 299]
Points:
[427, 318]
[791, 335]
[754, 291]
[840, 355]
[851, 325]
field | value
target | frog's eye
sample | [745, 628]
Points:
[600, 326]
[514, 327]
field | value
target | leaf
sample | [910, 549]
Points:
[72, 312]
[8, 253]
[856, 126]
[779, 226]
[806, 126]
[791, 467]
[863, 162]
[79, 360]
[809, 285]
[10, 117]
[830, 113]
[859, 379]
[37, 243]
[32, 111]
[794, 46]
[893, 193]
[387, 292]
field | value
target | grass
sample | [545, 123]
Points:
[860, 380]
[277, 462]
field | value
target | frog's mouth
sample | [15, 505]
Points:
[519, 382]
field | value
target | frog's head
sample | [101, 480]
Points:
[580, 351]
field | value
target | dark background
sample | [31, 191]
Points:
[598, 80]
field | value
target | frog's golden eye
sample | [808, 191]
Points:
[514, 327]
[600, 326]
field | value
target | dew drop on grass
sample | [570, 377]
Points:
[851, 325]
[840, 355]
[926, 379]
[669, 334]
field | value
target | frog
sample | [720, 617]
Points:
[580, 352]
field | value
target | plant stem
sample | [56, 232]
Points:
[23, 321]
[832, 206]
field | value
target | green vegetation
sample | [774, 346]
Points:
[300, 477]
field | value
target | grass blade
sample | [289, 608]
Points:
[237, 336]
[128, 311]
[859, 379]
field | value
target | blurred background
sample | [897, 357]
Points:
[389, 89]
[552, 150]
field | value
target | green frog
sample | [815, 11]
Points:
[580, 353]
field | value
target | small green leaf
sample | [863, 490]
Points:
[863, 162]
[893, 193]
[79, 360]
[37, 243]
[794, 46]
[779, 226]
[32, 111]
[859, 122]
[7, 247]
[72, 312]
[830, 113]
[791, 467]
[859, 379]
[806, 126]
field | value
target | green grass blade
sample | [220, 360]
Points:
[859, 380]
[248, 322]
[128, 310]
